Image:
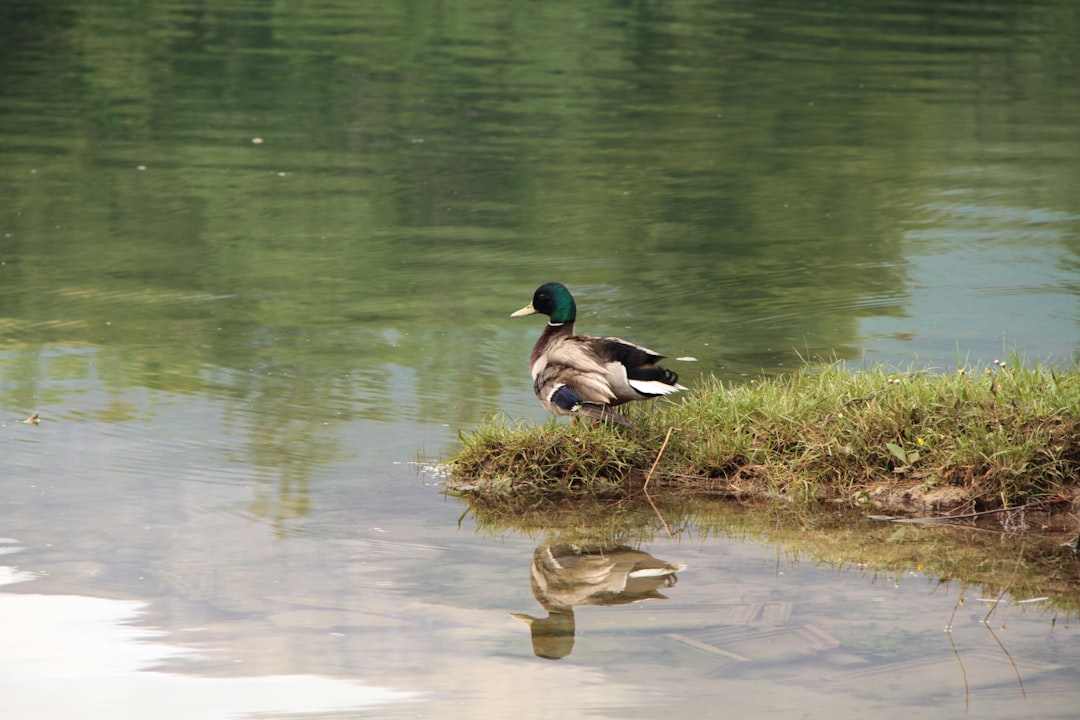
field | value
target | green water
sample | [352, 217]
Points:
[256, 258]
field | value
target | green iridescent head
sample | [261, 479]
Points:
[551, 299]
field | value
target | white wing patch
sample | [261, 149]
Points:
[626, 389]
[654, 387]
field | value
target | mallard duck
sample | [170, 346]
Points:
[579, 375]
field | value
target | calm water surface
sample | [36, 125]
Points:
[257, 260]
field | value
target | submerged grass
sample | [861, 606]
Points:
[970, 440]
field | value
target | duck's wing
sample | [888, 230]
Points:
[566, 390]
[632, 369]
[624, 351]
[587, 375]
[577, 351]
[567, 386]
[569, 361]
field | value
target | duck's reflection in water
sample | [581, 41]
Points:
[568, 574]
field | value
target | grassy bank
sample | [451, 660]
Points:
[965, 441]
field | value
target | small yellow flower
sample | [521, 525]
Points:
[920, 441]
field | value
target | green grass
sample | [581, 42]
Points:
[971, 440]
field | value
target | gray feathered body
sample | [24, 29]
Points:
[602, 372]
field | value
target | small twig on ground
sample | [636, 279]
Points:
[648, 476]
